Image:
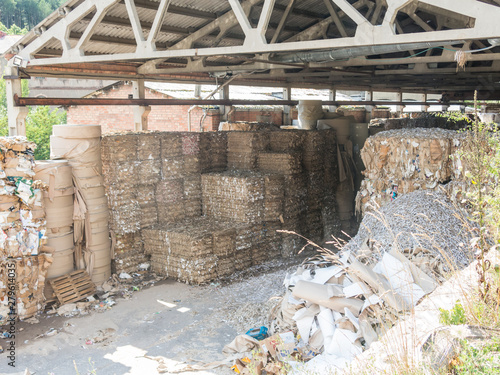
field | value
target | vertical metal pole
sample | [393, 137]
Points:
[287, 109]
[332, 97]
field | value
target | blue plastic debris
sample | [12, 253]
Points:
[258, 333]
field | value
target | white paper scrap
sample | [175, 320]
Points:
[343, 346]
[324, 274]
[356, 289]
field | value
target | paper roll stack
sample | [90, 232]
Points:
[58, 203]
[81, 146]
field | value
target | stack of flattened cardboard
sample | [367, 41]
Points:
[27, 276]
[23, 267]
[155, 178]
[125, 157]
[243, 149]
[401, 161]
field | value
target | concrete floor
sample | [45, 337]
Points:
[181, 323]
[139, 326]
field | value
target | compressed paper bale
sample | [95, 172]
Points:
[191, 165]
[401, 161]
[171, 212]
[231, 195]
[286, 140]
[171, 145]
[127, 219]
[247, 141]
[148, 147]
[119, 147]
[190, 144]
[173, 168]
[224, 242]
[213, 151]
[129, 252]
[242, 161]
[148, 171]
[284, 163]
[169, 191]
[30, 273]
[119, 172]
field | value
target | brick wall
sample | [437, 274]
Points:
[165, 118]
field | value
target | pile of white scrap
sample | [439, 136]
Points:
[344, 308]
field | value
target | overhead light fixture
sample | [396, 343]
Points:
[17, 61]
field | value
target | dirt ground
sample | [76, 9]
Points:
[179, 322]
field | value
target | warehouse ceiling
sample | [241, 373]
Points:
[381, 45]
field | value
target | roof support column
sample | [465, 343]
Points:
[399, 107]
[287, 109]
[141, 112]
[224, 109]
[332, 93]
[425, 107]
[369, 108]
[16, 115]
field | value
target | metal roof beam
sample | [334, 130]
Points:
[175, 9]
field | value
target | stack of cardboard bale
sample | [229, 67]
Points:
[241, 197]
[401, 161]
[131, 169]
[155, 178]
[247, 185]
[243, 148]
[23, 267]
[195, 250]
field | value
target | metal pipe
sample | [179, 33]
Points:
[217, 89]
[348, 53]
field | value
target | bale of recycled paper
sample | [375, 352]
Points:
[243, 149]
[30, 273]
[402, 161]
[286, 140]
[233, 195]
[274, 162]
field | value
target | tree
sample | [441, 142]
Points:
[26, 13]
[39, 122]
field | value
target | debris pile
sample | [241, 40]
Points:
[23, 265]
[401, 161]
[339, 304]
